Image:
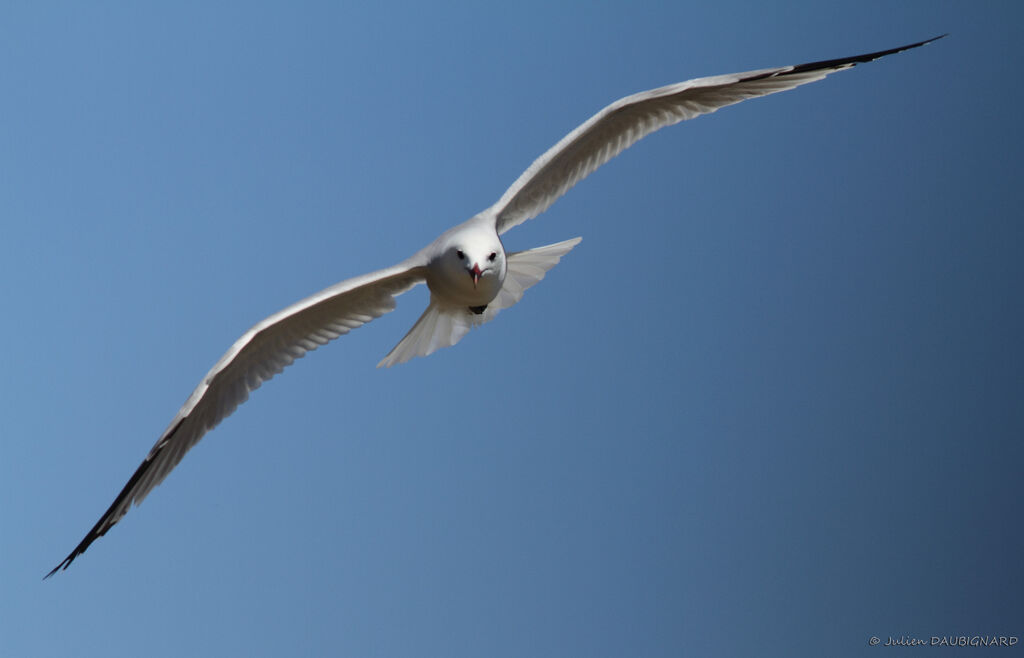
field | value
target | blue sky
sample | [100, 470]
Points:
[769, 406]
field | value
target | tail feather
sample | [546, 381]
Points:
[439, 326]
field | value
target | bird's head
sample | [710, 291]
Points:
[478, 261]
[472, 264]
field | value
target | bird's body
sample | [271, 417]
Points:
[470, 275]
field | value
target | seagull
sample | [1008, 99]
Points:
[467, 270]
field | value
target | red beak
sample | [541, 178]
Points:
[475, 273]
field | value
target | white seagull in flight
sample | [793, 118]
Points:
[470, 275]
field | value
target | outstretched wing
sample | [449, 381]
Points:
[262, 352]
[621, 124]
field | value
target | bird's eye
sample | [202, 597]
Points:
[493, 255]
[460, 254]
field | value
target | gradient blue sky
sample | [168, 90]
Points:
[771, 405]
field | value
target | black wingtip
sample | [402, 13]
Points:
[84, 544]
[64, 564]
[97, 531]
[112, 516]
[860, 59]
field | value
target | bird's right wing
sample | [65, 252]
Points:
[262, 352]
[619, 125]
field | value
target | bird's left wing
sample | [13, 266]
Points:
[262, 352]
[621, 124]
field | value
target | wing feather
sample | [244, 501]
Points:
[262, 352]
[621, 124]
